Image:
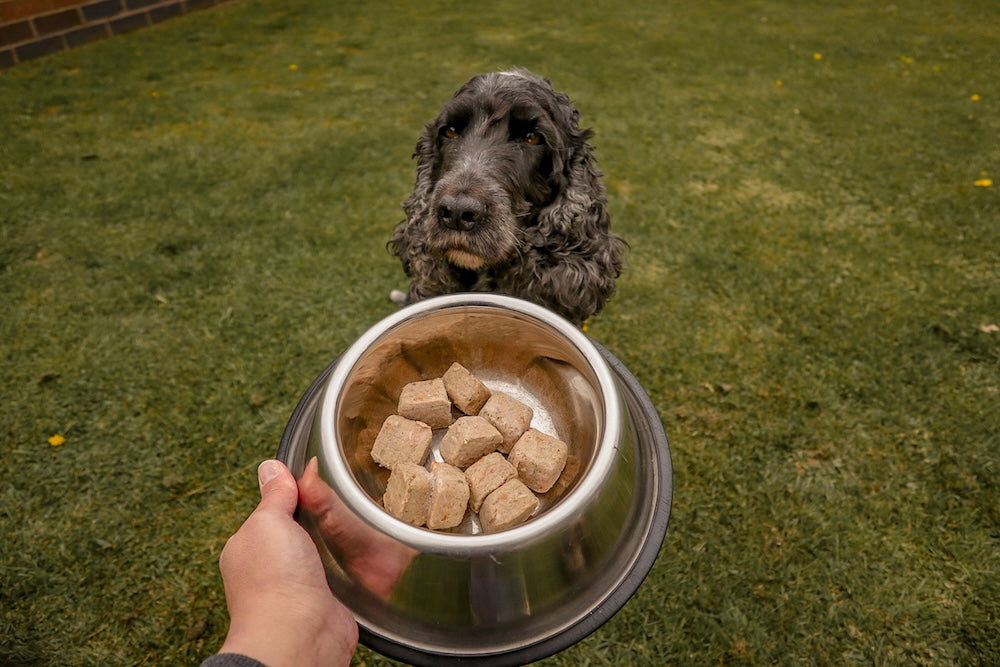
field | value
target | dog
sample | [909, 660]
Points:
[508, 199]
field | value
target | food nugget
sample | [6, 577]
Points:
[449, 496]
[507, 507]
[401, 440]
[408, 493]
[464, 389]
[486, 475]
[509, 416]
[539, 459]
[426, 401]
[468, 440]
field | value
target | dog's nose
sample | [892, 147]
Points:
[462, 213]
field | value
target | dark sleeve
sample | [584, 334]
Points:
[231, 660]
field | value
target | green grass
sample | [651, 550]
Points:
[191, 229]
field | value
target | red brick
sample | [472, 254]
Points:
[50, 23]
[157, 14]
[39, 48]
[13, 33]
[18, 9]
[129, 23]
[101, 10]
[86, 34]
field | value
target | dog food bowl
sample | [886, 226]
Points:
[511, 597]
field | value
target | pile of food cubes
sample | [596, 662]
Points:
[493, 462]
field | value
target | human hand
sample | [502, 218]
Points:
[281, 610]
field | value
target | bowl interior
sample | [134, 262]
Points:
[508, 351]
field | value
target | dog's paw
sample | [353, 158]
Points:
[399, 298]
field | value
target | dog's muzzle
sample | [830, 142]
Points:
[472, 216]
[461, 212]
[465, 214]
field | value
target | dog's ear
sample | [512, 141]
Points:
[584, 258]
[425, 154]
[407, 238]
[564, 138]
[578, 211]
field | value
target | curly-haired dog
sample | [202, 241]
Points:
[508, 199]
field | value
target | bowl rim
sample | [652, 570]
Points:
[561, 513]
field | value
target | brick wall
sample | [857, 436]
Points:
[34, 28]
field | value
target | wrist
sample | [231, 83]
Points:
[267, 649]
[283, 634]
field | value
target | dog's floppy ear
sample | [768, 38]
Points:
[565, 139]
[583, 257]
[407, 239]
[425, 154]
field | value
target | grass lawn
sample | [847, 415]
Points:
[193, 222]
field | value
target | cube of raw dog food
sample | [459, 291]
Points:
[539, 459]
[408, 493]
[464, 389]
[449, 496]
[468, 440]
[426, 401]
[509, 416]
[401, 440]
[507, 507]
[486, 475]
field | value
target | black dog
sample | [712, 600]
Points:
[508, 200]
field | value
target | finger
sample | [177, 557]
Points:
[314, 493]
[278, 489]
[326, 507]
[339, 525]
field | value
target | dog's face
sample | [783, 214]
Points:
[494, 156]
[508, 199]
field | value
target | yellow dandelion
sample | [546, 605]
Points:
[154, 93]
[975, 97]
[293, 67]
[779, 83]
[817, 56]
[983, 183]
[906, 59]
[56, 440]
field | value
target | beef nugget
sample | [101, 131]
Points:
[539, 459]
[468, 440]
[408, 493]
[486, 475]
[449, 496]
[401, 440]
[464, 389]
[426, 401]
[508, 506]
[509, 416]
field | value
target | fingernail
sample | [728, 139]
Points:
[267, 471]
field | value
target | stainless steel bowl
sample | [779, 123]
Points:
[430, 597]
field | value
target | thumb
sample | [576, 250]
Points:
[278, 489]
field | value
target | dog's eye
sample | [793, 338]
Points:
[448, 132]
[532, 138]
